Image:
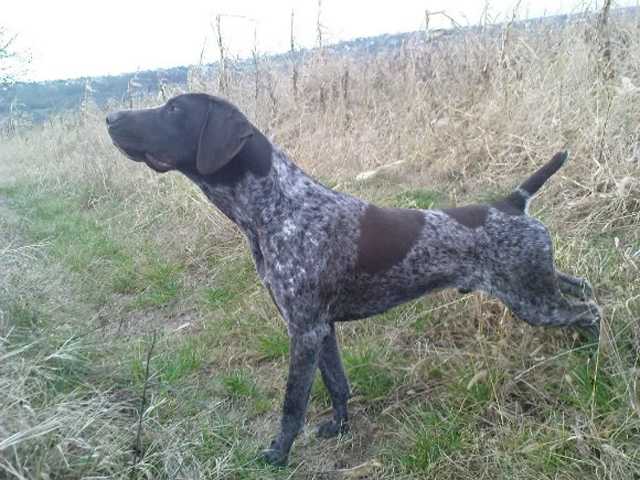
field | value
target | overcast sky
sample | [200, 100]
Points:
[69, 38]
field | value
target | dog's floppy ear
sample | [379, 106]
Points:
[224, 132]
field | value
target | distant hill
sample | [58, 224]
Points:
[40, 99]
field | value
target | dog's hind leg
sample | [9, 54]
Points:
[536, 297]
[527, 281]
[574, 286]
[336, 382]
[553, 310]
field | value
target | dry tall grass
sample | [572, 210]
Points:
[470, 115]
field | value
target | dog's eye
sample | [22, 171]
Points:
[173, 108]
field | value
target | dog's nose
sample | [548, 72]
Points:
[113, 117]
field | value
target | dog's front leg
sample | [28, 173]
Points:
[303, 361]
[336, 382]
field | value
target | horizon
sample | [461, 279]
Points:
[58, 55]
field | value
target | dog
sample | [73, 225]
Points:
[328, 257]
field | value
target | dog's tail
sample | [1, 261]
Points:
[519, 199]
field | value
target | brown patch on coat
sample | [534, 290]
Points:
[471, 216]
[386, 236]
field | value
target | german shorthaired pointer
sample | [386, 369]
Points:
[328, 257]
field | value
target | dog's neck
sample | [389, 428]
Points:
[256, 187]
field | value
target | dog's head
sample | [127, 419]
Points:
[192, 131]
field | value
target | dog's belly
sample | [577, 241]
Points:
[433, 264]
[374, 299]
[373, 295]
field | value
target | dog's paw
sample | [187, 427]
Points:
[586, 290]
[331, 428]
[583, 290]
[596, 312]
[591, 333]
[576, 287]
[274, 456]
[591, 329]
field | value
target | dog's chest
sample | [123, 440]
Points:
[292, 253]
[306, 258]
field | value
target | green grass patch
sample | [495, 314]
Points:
[187, 358]
[71, 367]
[75, 236]
[241, 387]
[545, 452]
[319, 394]
[592, 385]
[369, 372]
[153, 281]
[87, 247]
[487, 196]
[23, 316]
[433, 435]
[475, 387]
[171, 361]
[420, 198]
[274, 345]
[217, 297]
[162, 283]
[233, 280]
[125, 278]
[214, 440]
[235, 455]
[240, 384]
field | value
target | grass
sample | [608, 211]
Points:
[98, 255]
[433, 437]
[274, 345]
[217, 297]
[589, 388]
[24, 316]
[369, 372]
[419, 198]
[185, 359]
[162, 282]
[239, 384]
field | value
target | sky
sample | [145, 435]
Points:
[69, 39]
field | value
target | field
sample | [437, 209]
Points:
[137, 342]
